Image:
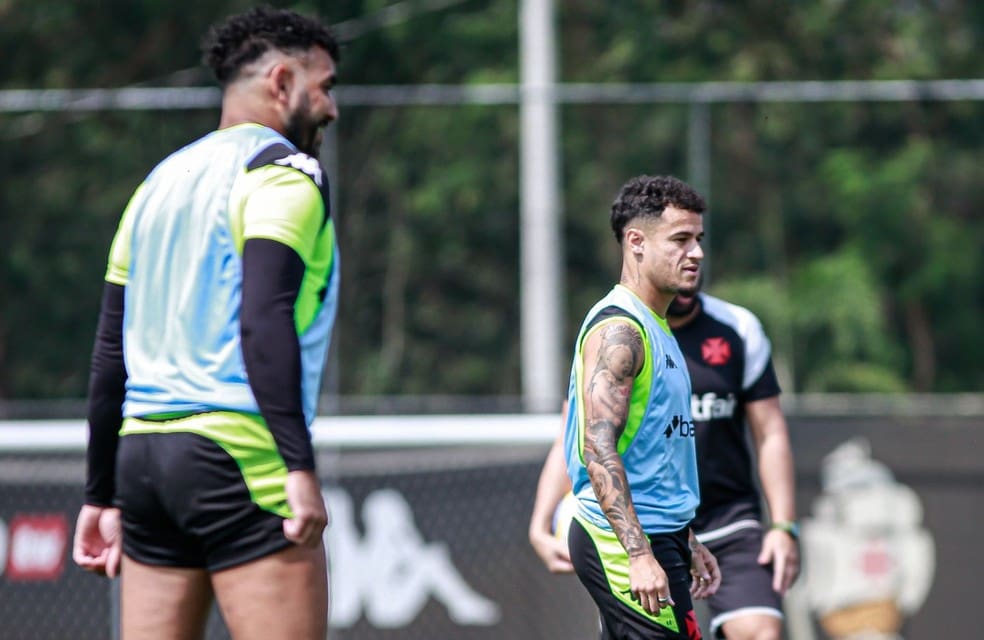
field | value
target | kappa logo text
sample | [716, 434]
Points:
[390, 572]
[305, 163]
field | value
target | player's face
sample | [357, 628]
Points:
[672, 250]
[312, 105]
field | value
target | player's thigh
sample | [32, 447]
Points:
[283, 595]
[162, 603]
[602, 566]
[753, 627]
[201, 498]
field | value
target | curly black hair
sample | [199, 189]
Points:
[648, 197]
[240, 39]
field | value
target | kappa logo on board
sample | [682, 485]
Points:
[390, 573]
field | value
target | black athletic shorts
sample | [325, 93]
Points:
[186, 502]
[603, 567]
[746, 586]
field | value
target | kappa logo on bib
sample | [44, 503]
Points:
[305, 163]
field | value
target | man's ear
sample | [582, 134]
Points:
[279, 81]
[635, 240]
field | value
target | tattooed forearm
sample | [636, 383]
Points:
[616, 355]
[607, 475]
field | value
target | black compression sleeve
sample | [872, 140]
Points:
[107, 387]
[272, 274]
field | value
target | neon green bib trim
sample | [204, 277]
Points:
[246, 438]
[639, 398]
[615, 562]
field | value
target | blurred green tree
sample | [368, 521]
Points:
[852, 229]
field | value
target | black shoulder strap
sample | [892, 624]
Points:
[610, 312]
[285, 156]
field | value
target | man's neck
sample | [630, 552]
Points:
[240, 106]
[656, 300]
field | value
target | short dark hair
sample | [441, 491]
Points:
[242, 38]
[648, 197]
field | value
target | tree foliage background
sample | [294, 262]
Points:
[854, 230]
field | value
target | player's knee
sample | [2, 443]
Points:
[754, 634]
[753, 629]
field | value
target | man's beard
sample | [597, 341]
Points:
[303, 132]
[680, 308]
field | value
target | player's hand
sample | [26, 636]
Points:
[705, 571]
[552, 551]
[98, 540]
[310, 515]
[648, 583]
[782, 550]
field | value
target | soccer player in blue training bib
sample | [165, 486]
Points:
[217, 312]
[729, 358]
[629, 437]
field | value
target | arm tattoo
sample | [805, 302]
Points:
[607, 394]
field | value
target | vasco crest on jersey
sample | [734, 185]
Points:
[715, 351]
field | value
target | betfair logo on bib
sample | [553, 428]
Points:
[680, 426]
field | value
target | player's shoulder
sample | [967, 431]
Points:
[740, 319]
[607, 315]
[610, 312]
[617, 305]
[280, 154]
